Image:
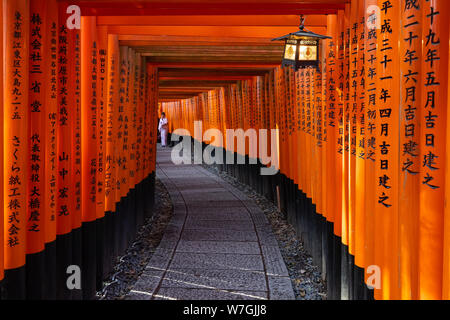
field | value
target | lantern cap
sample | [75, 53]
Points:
[302, 33]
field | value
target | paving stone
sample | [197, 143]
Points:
[183, 171]
[264, 227]
[241, 196]
[213, 203]
[215, 279]
[193, 210]
[179, 211]
[238, 193]
[179, 222]
[179, 215]
[175, 195]
[266, 237]
[147, 284]
[184, 178]
[273, 260]
[252, 207]
[160, 258]
[208, 294]
[218, 215]
[138, 295]
[178, 201]
[259, 219]
[193, 181]
[219, 247]
[179, 204]
[217, 261]
[207, 196]
[280, 288]
[219, 224]
[168, 244]
[198, 186]
[171, 188]
[170, 237]
[176, 230]
[198, 189]
[224, 235]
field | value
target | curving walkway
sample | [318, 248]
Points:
[218, 245]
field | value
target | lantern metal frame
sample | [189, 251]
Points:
[299, 40]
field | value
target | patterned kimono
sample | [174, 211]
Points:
[164, 130]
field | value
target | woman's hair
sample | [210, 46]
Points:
[163, 114]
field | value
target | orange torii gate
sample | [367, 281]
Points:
[61, 103]
[362, 140]
[361, 143]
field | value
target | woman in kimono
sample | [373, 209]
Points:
[163, 129]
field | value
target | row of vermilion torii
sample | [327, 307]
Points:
[78, 141]
[363, 145]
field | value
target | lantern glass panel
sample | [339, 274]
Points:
[307, 53]
[290, 52]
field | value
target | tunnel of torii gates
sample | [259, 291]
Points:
[361, 141]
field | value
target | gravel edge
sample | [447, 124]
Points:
[131, 265]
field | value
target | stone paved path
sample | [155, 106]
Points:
[218, 245]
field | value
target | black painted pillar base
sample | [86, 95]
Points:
[258, 177]
[309, 226]
[110, 243]
[369, 294]
[152, 183]
[77, 259]
[325, 242]
[316, 237]
[101, 252]
[146, 190]
[63, 261]
[351, 275]
[246, 172]
[89, 258]
[358, 284]
[281, 188]
[298, 213]
[140, 198]
[50, 270]
[122, 235]
[35, 276]
[132, 218]
[289, 201]
[117, 229]
[336, 266]
[14, 284]
[268, 193]
[345, 274]
[1, 290]
[330, 273]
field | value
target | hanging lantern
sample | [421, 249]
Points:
[301, 49]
